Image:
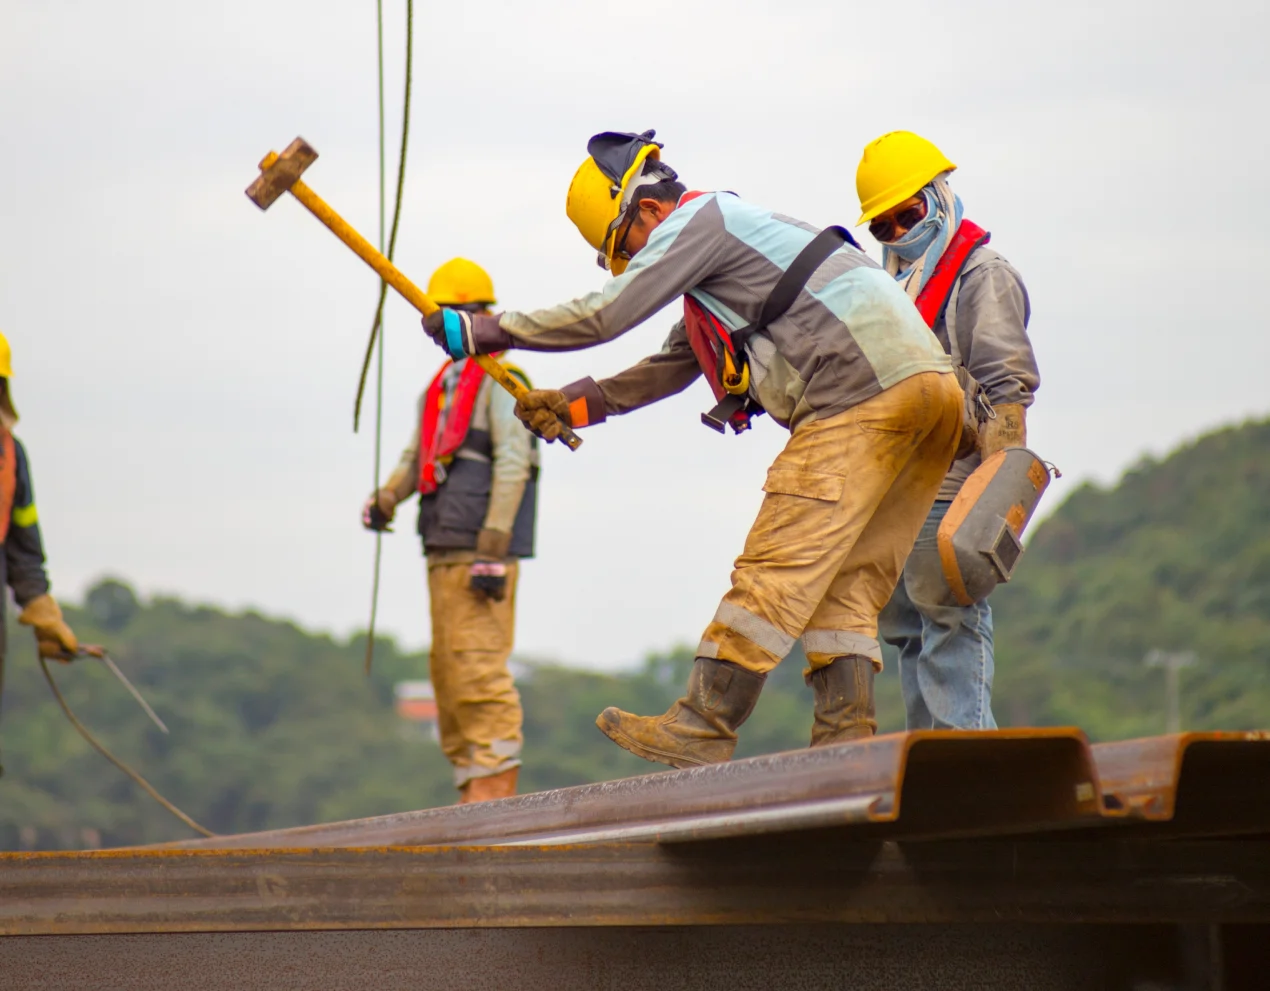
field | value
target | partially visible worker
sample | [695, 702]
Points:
[475, 467]
[977, 306]
[781, 319]
[22, 564]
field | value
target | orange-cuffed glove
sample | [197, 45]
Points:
[542, 411]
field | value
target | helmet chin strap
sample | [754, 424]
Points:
[658, 174]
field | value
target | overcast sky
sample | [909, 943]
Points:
[185, 366]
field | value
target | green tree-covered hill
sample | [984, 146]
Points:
[274, 726]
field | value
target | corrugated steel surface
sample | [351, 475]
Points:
[906, 785]
[927, 784]
[1190, 783]
[981, 832]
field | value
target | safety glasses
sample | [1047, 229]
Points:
[620, 251]
[891, 228]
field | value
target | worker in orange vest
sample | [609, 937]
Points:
[22, 564]
[977, 306]
[475, 468]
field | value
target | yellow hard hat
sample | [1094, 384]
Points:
[8, 415]
[461, 281]
[604, 185]
[893, 168]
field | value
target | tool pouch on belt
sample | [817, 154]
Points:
[981, 537]
[974, 412]
[732, 369]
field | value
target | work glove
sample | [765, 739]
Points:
[379, 509]
[542, 411]
[455, 340]
[1007, 429]
[53, 637]
[461, 334]
[489, 571]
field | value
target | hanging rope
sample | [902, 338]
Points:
[101, 749]
[396, 215]
[376, 337]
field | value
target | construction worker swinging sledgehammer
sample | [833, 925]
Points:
[22, 563]
[475, 468]
[781, 319]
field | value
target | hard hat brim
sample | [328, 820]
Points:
[898, 193]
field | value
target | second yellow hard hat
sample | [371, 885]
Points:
[460, 281]
[893, 168]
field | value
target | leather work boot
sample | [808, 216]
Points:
[501, 785]
[844, 700]
[698, 729]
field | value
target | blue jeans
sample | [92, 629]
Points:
[945, 648]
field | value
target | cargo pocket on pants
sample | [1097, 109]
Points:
[808, 484]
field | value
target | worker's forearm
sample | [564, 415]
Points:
[504, 503]
[403, 481]
[23, 546]
[992, 317]
[512, 455]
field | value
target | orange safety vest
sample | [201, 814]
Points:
[442, 428]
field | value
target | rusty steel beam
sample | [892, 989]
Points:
[820, 877]
[925, 784]
[967, 957]
[1189, 784]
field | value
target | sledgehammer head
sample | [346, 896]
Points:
[278, 173]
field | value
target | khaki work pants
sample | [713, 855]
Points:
[478, 708]
[845, 502]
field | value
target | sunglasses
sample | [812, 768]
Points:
[888, 228]
[620, 251]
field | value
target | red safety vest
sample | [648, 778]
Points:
[934, 295]
[8, 480]
[442, 428]
[710, 340]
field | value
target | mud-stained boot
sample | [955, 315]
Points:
[698, 729]
[844, 700]
[490, 787]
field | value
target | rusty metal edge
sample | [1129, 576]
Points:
[1140, 777]
[825, 879]
[867, 774]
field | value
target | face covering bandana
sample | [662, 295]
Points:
[912, 258]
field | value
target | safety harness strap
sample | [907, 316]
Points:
[781, 298]
[792, 282]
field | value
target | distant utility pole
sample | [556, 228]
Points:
[1172, 662]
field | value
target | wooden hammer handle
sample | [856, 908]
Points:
[411, 293]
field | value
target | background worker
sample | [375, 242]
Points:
[978, 307]
[22, 564]
[847, 365]
[475, 468]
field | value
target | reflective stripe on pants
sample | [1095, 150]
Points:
[845, 501]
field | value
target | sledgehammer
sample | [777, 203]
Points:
[281, 174]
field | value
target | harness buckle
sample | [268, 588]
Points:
[735, 383]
